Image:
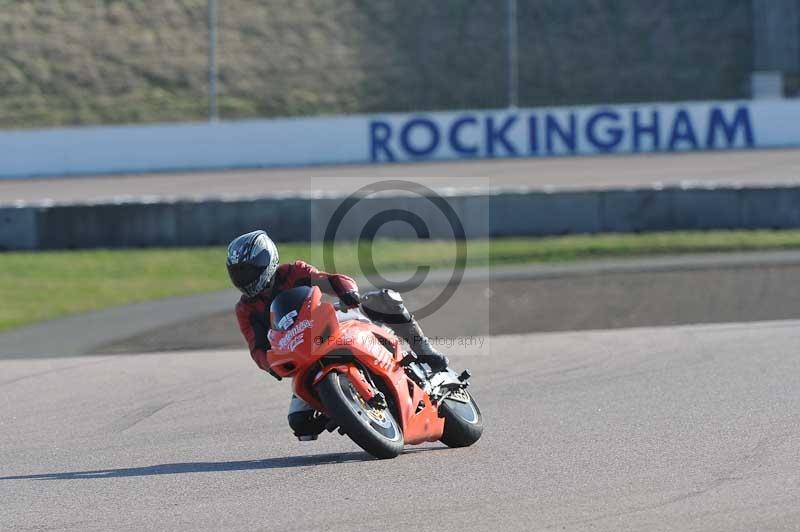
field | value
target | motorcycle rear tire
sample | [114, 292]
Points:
[343, 407]
[463, 422]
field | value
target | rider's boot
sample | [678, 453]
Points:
[412, 333]
[305, 422]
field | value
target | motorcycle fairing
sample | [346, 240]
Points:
[318, 344]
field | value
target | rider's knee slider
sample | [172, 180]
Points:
[385, 306]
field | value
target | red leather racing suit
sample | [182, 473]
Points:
[253, 313]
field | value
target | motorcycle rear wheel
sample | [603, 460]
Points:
[463, 422]
[374, 430]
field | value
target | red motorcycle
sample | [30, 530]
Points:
[356, 372]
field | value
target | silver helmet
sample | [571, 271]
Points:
[252, 262]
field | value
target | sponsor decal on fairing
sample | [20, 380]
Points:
[293, 338]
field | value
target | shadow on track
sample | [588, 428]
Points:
[212, 467]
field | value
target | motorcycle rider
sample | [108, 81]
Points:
[254, 269]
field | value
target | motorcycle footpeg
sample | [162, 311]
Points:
[409, 359]
[308, 437]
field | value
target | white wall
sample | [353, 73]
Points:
[400, 137]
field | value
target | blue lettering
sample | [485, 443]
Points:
[682, 130]
[379, 134]
[455, 141]
[741, 121]
[533, 135]
[499, 135]
[567, 137]
[614, 134]
[433, 134]
[640, 129]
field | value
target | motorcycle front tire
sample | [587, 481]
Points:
[375, 431]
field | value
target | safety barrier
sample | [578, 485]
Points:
[483, 214]
[402, 137]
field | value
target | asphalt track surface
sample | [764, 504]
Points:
[686, 428]
[610, 294]
[510, 299]
[762, 167]
[673, 428]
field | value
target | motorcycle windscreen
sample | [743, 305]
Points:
[287, 306]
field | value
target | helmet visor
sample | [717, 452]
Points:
[243, 275]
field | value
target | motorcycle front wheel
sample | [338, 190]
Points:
[373, 429]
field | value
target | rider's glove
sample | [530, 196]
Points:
[351, 299]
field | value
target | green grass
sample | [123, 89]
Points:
[44, 285]
[72, 62]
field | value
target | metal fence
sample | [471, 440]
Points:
[112, 61]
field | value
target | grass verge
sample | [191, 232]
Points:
[45, 285]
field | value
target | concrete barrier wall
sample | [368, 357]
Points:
[305, 218]
[396, 137]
